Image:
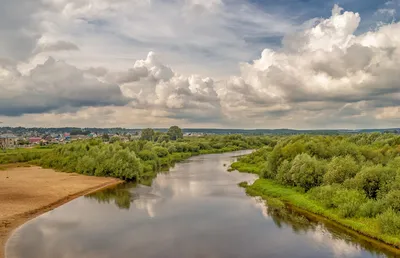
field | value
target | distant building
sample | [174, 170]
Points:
[8, 141]
[35, 140]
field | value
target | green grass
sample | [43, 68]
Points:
[268, 189]
[245, 167]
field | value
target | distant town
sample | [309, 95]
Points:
[12, 137]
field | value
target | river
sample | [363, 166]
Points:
[195, 210]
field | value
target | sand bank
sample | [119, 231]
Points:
[26, 192]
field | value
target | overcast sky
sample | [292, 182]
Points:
[200, 63]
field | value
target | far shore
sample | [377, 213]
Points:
[27, 192]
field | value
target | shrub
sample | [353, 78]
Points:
[306, 171]
[348, 202]
[147, 155]
[389, 222]
[284, 176]
[392, 200]
[160, 151]
[371, 208]
[372, 179]
[324, 195]
[172, 149]
[340, 169]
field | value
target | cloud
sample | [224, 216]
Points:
[326, 64]
[323, 70]
[54, 86]
[192, 35]
[59, 45]
[156, 86]
[19, 28]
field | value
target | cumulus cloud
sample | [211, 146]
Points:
[157, 86]
[54, 86]
[324, 70]
[325, 64]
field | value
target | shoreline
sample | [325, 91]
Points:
[346, 225]
[9, 224]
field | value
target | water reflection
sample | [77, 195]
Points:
[196, 210]
[341, 243]
[119, 195]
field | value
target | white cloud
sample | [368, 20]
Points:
[323, 71]
[327, 64]
[190, 34]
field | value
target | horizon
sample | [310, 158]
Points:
[207, 128]
[318, 65]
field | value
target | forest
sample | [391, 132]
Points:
[352, 179]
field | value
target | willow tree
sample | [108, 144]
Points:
[174, 133]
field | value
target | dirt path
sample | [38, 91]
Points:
[26, 192]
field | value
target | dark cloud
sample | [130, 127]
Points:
[55, 86]
[18, 28]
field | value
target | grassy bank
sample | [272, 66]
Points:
[267, 189]
[350, 179]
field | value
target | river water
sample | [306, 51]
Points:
[196, 210]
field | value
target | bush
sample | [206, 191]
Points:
[374, 179]
[324, 195]
[348, 202]
[284, 176]
[389, 222]
[147, 155]
[306, 171]
[161, 152]
[340, 169]
[392, 200]
[371, 208]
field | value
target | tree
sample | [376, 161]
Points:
[340, 169]
[175, 133]
[307, 171]
[114, 139]
[147, 134]
[375, 180]
[163, 138]
[105, 137]
[283, 176]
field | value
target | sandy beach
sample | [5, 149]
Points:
[26, 192]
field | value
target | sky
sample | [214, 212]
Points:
[302, 64]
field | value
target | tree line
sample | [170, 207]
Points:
[140, 159]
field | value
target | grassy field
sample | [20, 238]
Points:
[268, 189]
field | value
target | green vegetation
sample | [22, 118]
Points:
[352, 179]
[22, 155]
[147, 134]
[140, 160]
[175, 133]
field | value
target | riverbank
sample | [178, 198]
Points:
[27, 192]
[368, 227]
